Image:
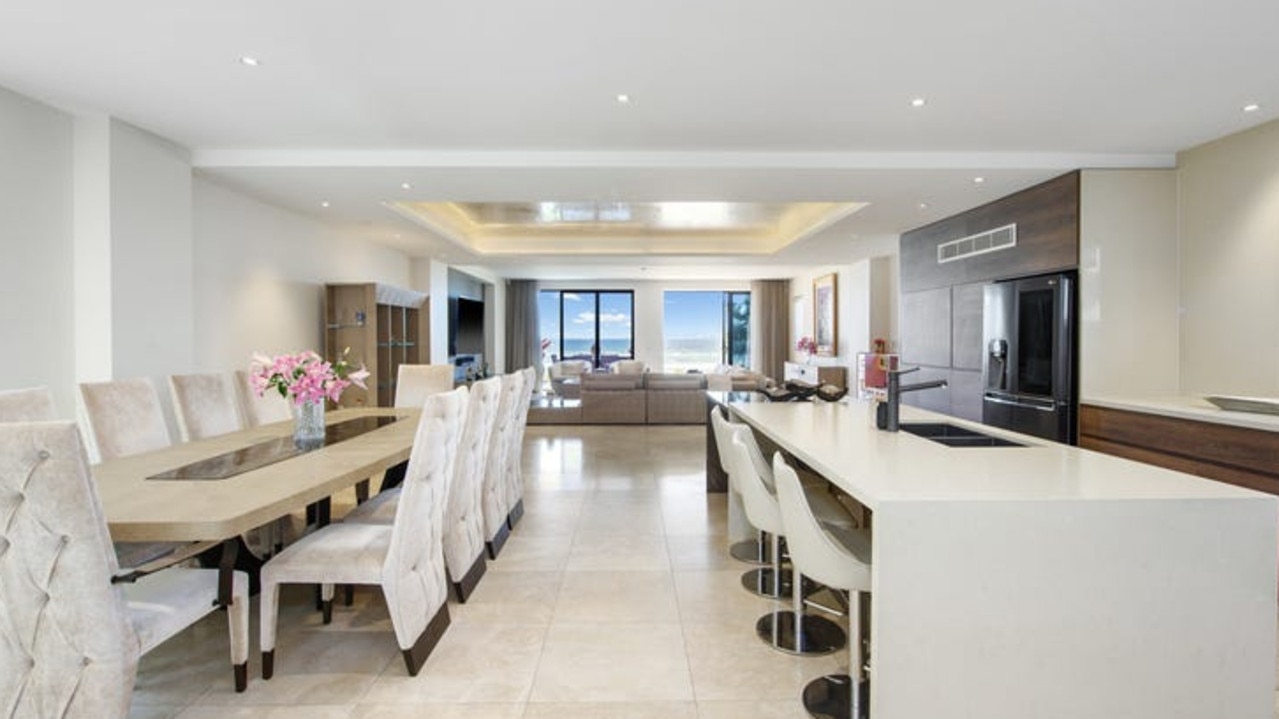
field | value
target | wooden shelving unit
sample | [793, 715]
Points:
[384, 330]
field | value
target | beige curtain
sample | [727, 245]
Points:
[770, 302]
[522, 349]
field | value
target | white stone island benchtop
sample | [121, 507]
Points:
[1047, 581]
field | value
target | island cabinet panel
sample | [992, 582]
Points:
[1236, 455]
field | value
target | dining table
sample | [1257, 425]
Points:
[216, 489]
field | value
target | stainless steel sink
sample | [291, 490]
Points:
[954, 435]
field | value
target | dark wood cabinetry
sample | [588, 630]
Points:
[1237, 455]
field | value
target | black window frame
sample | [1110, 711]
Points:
[598, 343]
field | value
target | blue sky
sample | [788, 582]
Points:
[691, 315]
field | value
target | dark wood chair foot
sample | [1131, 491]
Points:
[268, 664]
[328, 611]
[241, 672]
[416, 656]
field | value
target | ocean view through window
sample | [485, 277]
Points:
[594, 325]
[702, 330]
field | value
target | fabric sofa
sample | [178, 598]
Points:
[675, 398]
[613, 399]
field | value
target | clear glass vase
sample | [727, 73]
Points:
[308, 425]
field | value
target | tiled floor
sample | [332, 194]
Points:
[614, 597]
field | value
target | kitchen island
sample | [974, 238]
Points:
[1045, 581]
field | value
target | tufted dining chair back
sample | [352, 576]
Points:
[67, 648]
[267, 409]
[205, 405]
[124, 417]
[515, 450]
[413, 578]
[496, 502]
[464, 515]
[415, 382]
[26, 405]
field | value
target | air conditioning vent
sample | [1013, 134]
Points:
[1000, 238]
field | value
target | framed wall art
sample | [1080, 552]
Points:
[825, 314]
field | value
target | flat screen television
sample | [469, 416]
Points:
[466, 326]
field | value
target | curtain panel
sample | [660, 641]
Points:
[522, 349]
[770, 301]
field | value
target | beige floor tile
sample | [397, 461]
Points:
[438, 711]
[512, 597]
[154, 711]
[736, 665]
[612, 710]
[533, 553]
[617, 597]
[490, 663]
[592, 553]
[260, 712]
[704, 552]
[613, 662]
[793, 709]
[607, 522]
[717, 598]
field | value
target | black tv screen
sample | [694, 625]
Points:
[466, 326]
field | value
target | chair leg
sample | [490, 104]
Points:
[270, 615]
[416, 655]
[326, 602]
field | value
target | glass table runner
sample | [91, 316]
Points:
[269, 452]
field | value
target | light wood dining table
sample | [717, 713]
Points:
[141, 508]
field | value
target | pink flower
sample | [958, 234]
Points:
[305, 376]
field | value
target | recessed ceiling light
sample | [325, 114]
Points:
[405, 186]
[249, 60]
[923, 205]
[1252, 107]
[979, 180]
[623, 99]
[918, 102]
[324, 204]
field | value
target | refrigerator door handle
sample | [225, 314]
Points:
[1050, 407]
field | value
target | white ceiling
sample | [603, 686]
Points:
[741, 100]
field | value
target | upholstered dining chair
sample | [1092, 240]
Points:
[124, 417]
[267, 409]
[26, 405]
[515, 452]
[415, 382]
[205, 405]
[496, 502]
[404, 558]
[463, 514]
[72, 624]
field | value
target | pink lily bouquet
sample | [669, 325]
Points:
[305, 376]
[806, 345]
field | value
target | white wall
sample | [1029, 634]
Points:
[866, 307]
[151, 256]
[1128, 284]
[36, 240]
[649, 308]
[1229, 220]
[260, 273]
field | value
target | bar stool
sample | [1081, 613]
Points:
[750, 551]
[792, 631]
[774, 581]
[840, 559]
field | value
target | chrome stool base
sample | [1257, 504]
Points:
[751, 552]
[760, 582]
[802, 634]
[831, 697]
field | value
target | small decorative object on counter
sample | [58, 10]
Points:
[806, 347]
[308, 380]
[872, 373]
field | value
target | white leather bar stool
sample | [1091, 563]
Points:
[793, 631]
[772, 581]
[840, 559]
[754, 550]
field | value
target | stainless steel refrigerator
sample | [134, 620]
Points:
[1029, 375]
